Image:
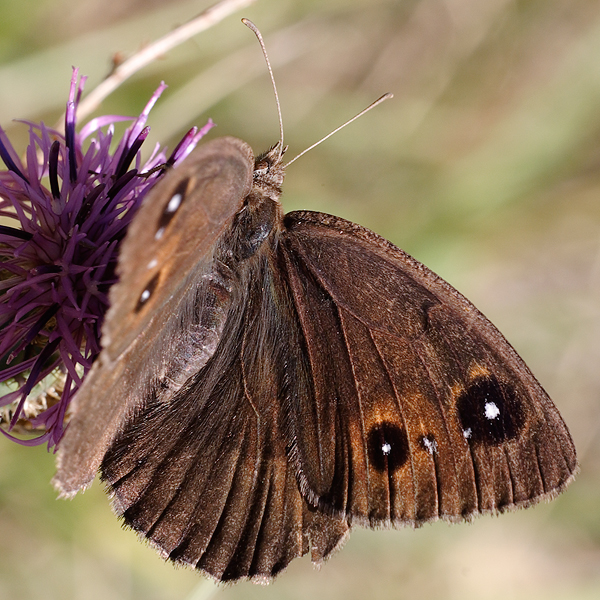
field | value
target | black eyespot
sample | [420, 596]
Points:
[173, 205]
[490, 412]
[147, 293]
[388, 447]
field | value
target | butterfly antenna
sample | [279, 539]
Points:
[259, 37]
[360, 114]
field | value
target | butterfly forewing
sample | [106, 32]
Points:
[173, 295]
[174, 232]
[420, 409]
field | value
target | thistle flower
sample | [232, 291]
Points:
[68, 209]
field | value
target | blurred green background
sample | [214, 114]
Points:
[485, 166]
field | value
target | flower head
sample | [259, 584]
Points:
[63, 215]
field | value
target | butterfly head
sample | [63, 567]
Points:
[269, 170]
[269, 160]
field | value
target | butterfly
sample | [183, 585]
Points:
[268, 381]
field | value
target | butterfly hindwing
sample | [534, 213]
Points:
[205, 474]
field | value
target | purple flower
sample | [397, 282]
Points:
[63, 214]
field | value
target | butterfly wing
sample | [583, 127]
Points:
[182, 411]
[156, 332]
[420, 409]
[204, 474]
[328, 379]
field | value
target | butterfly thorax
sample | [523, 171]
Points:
[261, 215]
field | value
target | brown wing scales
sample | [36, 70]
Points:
[205, 475]
[422, 409]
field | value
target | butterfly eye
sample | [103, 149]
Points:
[173, 205]
[262, 170]
[262, 166]
[388, 447]
[147, 293]
[490, 412]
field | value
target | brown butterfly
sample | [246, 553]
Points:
[268, 381]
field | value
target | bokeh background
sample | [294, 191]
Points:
[485, 166]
